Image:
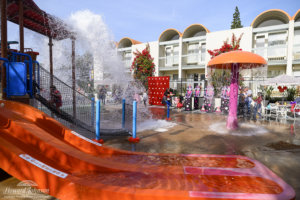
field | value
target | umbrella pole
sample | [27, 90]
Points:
[232, 121]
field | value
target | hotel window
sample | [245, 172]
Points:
[175, 77]
[260, 45]
[297, 37]
[127, 58]
[175, 55]
[168, 53]
[203, 51]
[193, 51]
[276, 45]
[275, 39]
[296, 47]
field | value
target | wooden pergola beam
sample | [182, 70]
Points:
[21, 26]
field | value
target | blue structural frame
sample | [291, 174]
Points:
[98, 120]
[134, 119]
[28, 83]
[16, 79]
[123, 113]
[29, 63]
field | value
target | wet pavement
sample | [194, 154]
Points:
[275, 143]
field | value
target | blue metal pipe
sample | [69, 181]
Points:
[123, 113]
[98, 120]
[4, 59]
[134, 119]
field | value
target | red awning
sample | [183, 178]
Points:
[38, 20]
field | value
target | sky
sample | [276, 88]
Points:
[144, 20]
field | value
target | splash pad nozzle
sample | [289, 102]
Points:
[235, 60]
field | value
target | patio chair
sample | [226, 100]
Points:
[296, 110]
[273, 109]
[281, 112]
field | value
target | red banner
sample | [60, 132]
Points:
[157, 86]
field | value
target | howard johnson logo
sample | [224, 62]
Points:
[25, 189]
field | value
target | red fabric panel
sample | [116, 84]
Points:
[157, 86]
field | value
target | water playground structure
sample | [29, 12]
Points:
[234, 60]
[74, 167]
[35, 146]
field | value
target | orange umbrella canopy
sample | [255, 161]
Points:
[244, 58]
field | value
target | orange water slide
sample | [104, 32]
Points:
[35, 147]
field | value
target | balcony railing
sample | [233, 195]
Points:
[127, 63]
[273, 54]
[192, 59]
[170, 62]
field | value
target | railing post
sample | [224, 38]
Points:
[38, 77]
[134, 119]
[93, 111]
[123, 113]
[98, 120]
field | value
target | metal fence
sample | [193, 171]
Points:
[84, 113]
[179, 85]
[83, 110]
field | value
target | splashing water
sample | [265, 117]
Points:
[245, 129]
[156, 125]
[93, 36]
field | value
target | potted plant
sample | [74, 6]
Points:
[291, 92]
[267, 90]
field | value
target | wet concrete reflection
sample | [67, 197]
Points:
[275, 143]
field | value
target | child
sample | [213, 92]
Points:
[55, 97]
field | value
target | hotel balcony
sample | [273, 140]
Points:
[193, 61]
[127, 63]
[168, 63]
[275, 55]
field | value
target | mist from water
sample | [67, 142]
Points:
[94, 37]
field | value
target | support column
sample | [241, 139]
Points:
[180, 59]
[50, 60]
[3, 44]
[232, 121]
[21, 26]
[289, 63]
[157, 64]
[73, 77]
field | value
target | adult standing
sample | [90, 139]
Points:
[249, 101]
[257, 107]
[166, 97]
[103, 94]
[145, 97]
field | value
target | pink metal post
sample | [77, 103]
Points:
[232, 121]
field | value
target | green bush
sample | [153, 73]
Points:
[291, 92]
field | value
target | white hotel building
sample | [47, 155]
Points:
[273, 34]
